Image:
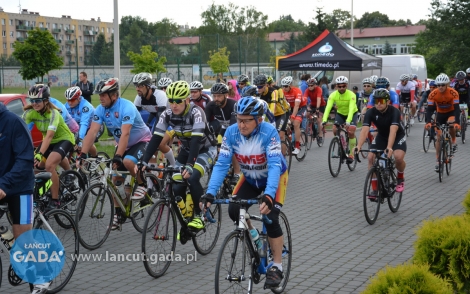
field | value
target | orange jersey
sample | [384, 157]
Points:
[295, 95]
[444, 102]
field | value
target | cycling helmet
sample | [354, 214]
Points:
[460, 75]
[73, 93]
[286, 81]
[108, 85]
[366, 81]
[218, 88]
[249, 91]
[311, 81]
[196, 85]
[373, 79]
[39, 91]
[415, 77]
[270, 80]
[432, 83]
[250, 106]
[341, 80]
[382, 82]
[178, 90]
[468, 70]
[442, 79]
[260, 80]
[142, 78]
[381, 93]
[404, 77]
[164, 82]
[242, 79]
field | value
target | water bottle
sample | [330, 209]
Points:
[160, 174]
[382, 163]
[263, 249]
[189, 206]
[181, 205]
[7, 236]
[127, 186]
[255, 236]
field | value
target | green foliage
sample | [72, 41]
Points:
[444, 244]
[286, 23]
[37, 54]
[148, 61]
[387, 50]
[407, 279]
[272, 58]
[466, 203]
[372, 18]
[218, 60]
[9, 61]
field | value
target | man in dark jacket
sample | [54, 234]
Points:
[16, 170]
[85, 86]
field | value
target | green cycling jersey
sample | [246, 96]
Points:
[345, 102]
[49, 121]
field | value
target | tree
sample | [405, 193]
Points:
[372, 18]
[338, 19]
[218, 60]
[148, 61]
[9, 61]
[94, 57]
[387, 50]
[37, 55]
[286, 23]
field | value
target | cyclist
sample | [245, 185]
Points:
[58, 140]
[384, 83]
[298, 106]
[257, 147]
[316, 103]
[372, 79]
[82, 112]
[270, 82]
[468, 74]
[163, 83]
[462, 87]
[406, 90]
[346, 113]
[69, 121]
[242, 82]
[129, 130]
[419, 86]
[197, 97]
[364, 95]
[190, 126]
[445, 101]
[424, 99]
[390, 137]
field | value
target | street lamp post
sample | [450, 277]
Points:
[352, 24]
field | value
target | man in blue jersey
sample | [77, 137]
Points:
[257, 148]
[129, 130]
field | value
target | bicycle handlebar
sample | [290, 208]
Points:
[264, 217]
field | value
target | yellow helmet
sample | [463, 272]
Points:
[178, 90]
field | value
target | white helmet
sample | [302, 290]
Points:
[341, 80]
[142, 78]
[442, 79]
[366, 81]
[404, 77]
[164, 82]
[286, 81]
[373, 79]
[468, 70]
[196, 85]
[73, 93]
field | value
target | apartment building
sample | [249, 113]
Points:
[74, 36]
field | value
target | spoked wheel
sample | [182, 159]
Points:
[441, 160]
[463, 128]
[288, 155]
[286, 253]
[160, 240]
[71, 189]
[372, 197]
[448, 157]
[303, 146]
[407, 124]
[394, 200]
[427, 139]
[142, 208]
[205, 239]
[335, 157]
[233, 268]
[310, 134]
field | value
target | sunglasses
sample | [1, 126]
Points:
[260, 86]
[194, 91]
[341, 87]
[432, 87]
[35, 101]
[311, 86]
[380, 101]
[175, 101]
[367, 86]
[441, 85]
[245, 121]
[285, 86]
[242, 84]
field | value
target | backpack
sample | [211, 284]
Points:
[282, 100]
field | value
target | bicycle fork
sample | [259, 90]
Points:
[163, 237]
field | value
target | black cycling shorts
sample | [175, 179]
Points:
[442, 118]
[61, 147]
[281, 122]
[341, 119]
[380, 143]
[135, 153]
[21, 208]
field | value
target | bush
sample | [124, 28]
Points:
[444, 244]
[407, 278]
[466, 203]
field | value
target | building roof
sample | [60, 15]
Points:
[271, 38]
[381, 32]
[281, 36]
[185, 40]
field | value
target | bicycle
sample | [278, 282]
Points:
[383, 170]
[463, 122]
[445, 150]
[160, 230]
[56, 221]
[406, 117]
[95, 211]
[290, 135]
[286, 146]
[339, 149]
[422, 112]
[312, 130]
[244, 262]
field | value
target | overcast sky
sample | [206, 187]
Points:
[189, 11]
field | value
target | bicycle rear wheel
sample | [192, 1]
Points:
[448, 157]
[427, 138]
[71, 189]
[441, 160]
[288, 156]
[286, 253]
[141, 208]
[407, 124]
[68, 236]
[372, 197]
[394, 200]
[160, 240]
[303, 146]
[205, 240]
[334, 157]
[310, 131]
[463, 127]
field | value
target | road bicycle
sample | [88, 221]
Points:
[160, 229]
[290, 136]
[240, 263]
[383, 173]
[338, 151]
[312, 130]
[445, 149]
[422, 112]
[58, 222]
[96, 210]
[463, 122]
[406, 116]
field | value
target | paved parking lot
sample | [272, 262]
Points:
[334, 249]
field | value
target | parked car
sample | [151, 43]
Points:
[15, 103]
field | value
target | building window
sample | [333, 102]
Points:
[394, 48]
[12, 45]
[67, 37]
[33, 23]
[3, 21]
[80, 38]
[60, 26]
[54, 26]
[4, 33]
[107, 30]
[4, 45]
[81, 58]
[62, 47]
[11, 34]
[11, 22]
[102, 30]
[60, 37]
[73, 27]
[26, 23]
[80, 27]
[41, 24]
[79, 48]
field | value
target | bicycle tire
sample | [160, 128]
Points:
[394, 200]
[88, 220]
[288, 156]
[152, 195]
[162, 209]
[205, 240]
[68, 237]
[1, 272]
[303, 146]
[335, 152]
[407, 125]
[310, 134]
[240, 265]
[448, 157]
[70, 192]
[441, 160]
[286, 253]
[426, 140]
[370, 213]
[463, 127]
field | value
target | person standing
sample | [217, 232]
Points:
[85, 86]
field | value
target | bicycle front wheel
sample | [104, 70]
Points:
[159, 241]
[448, 156]
[288, 153]
[310, 134]
[205, 239]
[71, 188]
[372, 196]
[426, 140]
[233, 268]
[334, 157]
[394, 200]
[142, 207]
[407, 124]
[303, 147]
[68, 236]
[286, 253]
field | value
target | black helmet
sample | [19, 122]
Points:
[260, 80]
[40, 91]
[382, 82]
[249, 91]
[242, 79]
[219, 88]
[142, 78]
[381, 93]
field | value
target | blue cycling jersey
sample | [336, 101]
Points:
[394, 99]
[69, 121]
[82, 114]
[123, 112]
[260, 158]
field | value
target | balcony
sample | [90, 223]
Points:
[56, 31]
[89, 43]
[58, 41]
[43, 29]
[71, 63]
[68, 52]
[69, 31]
[70, 42]
[90, 33]
[20, 39]
[23, 28]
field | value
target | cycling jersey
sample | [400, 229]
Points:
[82, 114]
[314, 96]
[384, 120]
[295, 95]
[419, 86]
[463, 90]
[345, 102]
[270, 96]
[69, 121]
[394, 100]
[155, 105]
[123, 112]
[223, 115]
[49, 121]
[407, 92]
[445, 102]
[201, 101]
[260, 158]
